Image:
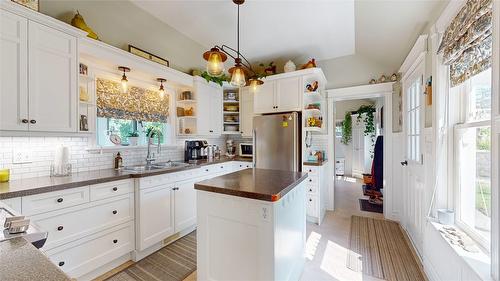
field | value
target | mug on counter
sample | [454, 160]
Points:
[4, 175]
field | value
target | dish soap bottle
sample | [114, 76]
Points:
[118, 161]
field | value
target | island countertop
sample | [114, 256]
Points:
[260, 184]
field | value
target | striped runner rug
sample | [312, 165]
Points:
[380, 249]
[173, 262]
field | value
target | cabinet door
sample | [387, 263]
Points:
[185, 205]
[216, 112]
[52, 79]
[13, 71]
[246, 115]
[264, 98]
[289, 94]
[155, 215]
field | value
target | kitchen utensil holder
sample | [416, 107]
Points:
[62, 170]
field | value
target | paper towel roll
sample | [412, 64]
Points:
[61, 156]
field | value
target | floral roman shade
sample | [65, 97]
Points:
[467, 42]
[138, 104]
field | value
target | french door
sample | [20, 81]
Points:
[413, 189]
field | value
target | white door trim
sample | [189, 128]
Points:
[359, 92]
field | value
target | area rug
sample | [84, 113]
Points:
[366, 206]
[173, 262]
[380, 249]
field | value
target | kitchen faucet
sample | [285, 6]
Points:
[150, 157]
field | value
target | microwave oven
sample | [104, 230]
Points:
[246, 149]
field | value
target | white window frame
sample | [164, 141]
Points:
[462, 103]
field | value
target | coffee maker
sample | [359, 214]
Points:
[195, 150]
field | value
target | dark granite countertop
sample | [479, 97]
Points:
[315, 163]
[21, 261]
[260, 184]
[25, 187]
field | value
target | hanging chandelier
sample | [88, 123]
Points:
[242, 69]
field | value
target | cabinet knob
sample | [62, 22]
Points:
[59, 228]
[33, 121]
[241, 132]
[310, 190]
[222, 167]
[115, 241]
[310, 180]
[310, 170]
[61, 263]
[310, 200]
[25, 121]
[115, 212]
[115, 188]
[211, 131]
[59, 200]
[206, 170]
[175, 188]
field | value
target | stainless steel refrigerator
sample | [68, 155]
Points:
[277, 141]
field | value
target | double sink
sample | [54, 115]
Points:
[155, 166]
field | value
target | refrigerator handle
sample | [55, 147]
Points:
[254, 148]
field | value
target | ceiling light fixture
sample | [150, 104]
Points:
[162, 90]
[216, 57]
[124, 78]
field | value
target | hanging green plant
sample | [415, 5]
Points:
[219, 80]
[366, 113]
[347, 129]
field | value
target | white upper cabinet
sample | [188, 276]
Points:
[52, 79]
[39, 73]
[265, 98]
[246, 108]
[279, 95]
[209, 115]
[289, 94]
[13, 72]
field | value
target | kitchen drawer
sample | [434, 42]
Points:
[76, 222]
[312, 205]
[188, 174]
[311, 170]
[312, 180]
[241, 165]
[45, 202]
[152, 181]
[312, 188]
[87, 254]
[110, 189]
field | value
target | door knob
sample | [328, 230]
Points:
[404, 163]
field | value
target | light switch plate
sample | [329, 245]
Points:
[21, 156]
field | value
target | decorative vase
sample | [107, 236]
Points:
[133, 141]
[289, 66]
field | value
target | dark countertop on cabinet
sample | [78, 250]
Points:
[21, 261]
[260, 184]
[31, 186]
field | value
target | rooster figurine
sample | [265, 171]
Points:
[309, 64]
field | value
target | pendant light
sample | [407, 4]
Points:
[216, 57]
[124, 78]
[215, 61]
[254, 83]
[162, 89]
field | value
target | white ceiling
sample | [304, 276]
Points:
[269, 30]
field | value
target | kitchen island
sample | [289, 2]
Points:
[251, 226]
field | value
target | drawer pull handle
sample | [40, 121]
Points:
[310, 190]
[310, 200]
[33, 121]
[25, 121]
[114, 212]
[175, 188]
[59, 228]
[115, 241]
[206, 170]
[310, 170]
[115, 188]
[59, 200]
[310, 180]
[222, 167]
[61, 263]
[241, 165]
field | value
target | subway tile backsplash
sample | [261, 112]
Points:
[41, 151]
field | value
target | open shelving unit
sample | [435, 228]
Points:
[87, 109]
[186, 108]
[231, 110]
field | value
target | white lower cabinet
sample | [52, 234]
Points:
[155, 214]
[316, 192]
[185, 205]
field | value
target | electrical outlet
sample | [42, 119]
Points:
[21, 156]
[265, 213]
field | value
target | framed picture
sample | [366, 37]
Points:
[143, 54]
[32, 4]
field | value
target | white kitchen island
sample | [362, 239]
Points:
[251, 226]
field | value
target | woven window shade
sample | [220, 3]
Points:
[138, 104]
[467, 44]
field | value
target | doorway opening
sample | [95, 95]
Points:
[358, 149]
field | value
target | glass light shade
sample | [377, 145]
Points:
[124, 84]
[215, 65]
[254, 84]
[238, 77]
[162, 92]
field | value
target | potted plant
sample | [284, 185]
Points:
[154, 133]
[133, 138]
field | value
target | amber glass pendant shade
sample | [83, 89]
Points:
[215, 62]
[238, 78]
